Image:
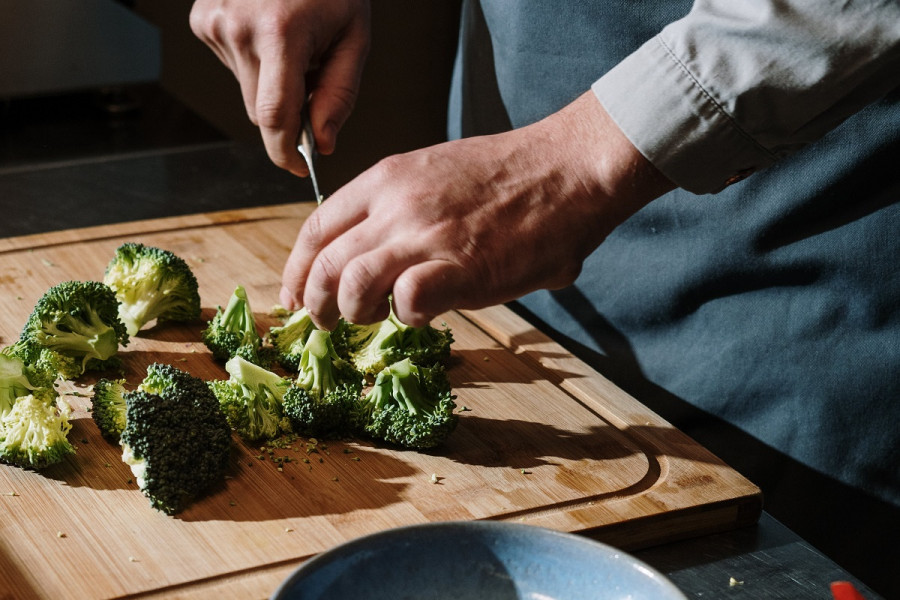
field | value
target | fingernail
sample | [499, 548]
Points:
[287, 299]
[330, 131]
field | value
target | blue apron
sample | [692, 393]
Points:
[764, 321]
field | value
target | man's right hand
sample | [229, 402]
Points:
[282, 51]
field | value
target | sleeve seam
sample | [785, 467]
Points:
[712, 100]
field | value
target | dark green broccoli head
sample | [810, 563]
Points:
[163, 378]
[108, 407]
[323, 416]
[288, 339]
[251, 399]
[232, 327]
[79, 320]
[262, 356]
[409, 406]
[33, 433]
[176, 439]
[152, 283]
[325, 391]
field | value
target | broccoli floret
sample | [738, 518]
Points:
[288, 339]
[176, 439]
[108, 407]
[322, 397]
[263, 356]
[409, 406]
[14, 382]
[251, 399]
[78, 320]
[151, 283]
[425, 346]
[162, 379]
[371, 348]
[231, 328]
[33, 433]
[40, 365]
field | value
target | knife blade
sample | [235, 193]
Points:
[306, 146]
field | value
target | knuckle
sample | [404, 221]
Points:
[275, 22]
[198, 20]
[271, 113]
[234, 32]
[356, 279]
[312, 233]
[325, 270]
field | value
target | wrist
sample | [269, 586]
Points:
[612, 172]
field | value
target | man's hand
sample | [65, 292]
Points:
[470, 223]
[282, 51]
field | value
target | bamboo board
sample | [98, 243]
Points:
[544, 440]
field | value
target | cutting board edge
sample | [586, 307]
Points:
[296, 210]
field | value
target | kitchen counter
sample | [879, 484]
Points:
[765, 560]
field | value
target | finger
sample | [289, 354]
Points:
[428, 289]
[246, 71]
[279, 98]
[336, 90]
[366, 282]
[360, 266]
[324, 225]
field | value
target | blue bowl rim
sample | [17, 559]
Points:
[350, 546]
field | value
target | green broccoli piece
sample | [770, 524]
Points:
[162, 379]
[108, 407]
[371, 348]
[320, 401]
[151, 283]
[425, 346]
[176, 440]
[263, 356]
[409, 406]
[251, 399]
[14, 381]
[231, 328]
[288, 339]
[39, 365]
[79, 321]
[33, 433]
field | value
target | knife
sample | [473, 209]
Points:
[306, 146]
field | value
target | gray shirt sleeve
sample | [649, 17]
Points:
[736, 85]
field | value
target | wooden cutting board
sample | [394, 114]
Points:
[543, 439]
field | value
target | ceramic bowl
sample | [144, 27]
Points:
[475, 560]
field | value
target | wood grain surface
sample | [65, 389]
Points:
[543, 439]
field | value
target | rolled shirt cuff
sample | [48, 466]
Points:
[690, 138]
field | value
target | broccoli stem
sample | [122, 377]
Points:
[406, 388]
[237, 315]
[99, 342]
[316, 373]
